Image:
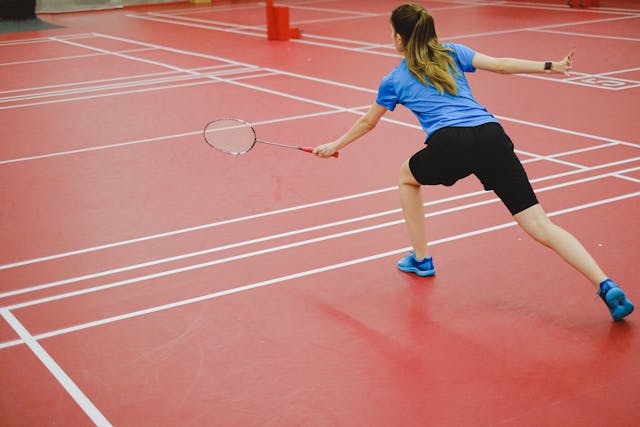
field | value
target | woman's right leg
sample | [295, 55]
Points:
[537, 224]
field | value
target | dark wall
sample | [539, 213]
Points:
[17, 9]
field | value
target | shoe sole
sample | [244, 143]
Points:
[619, 306]
[422, 273]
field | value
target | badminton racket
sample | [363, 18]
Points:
[235, 136]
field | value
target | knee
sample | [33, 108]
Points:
[536, 223]
[540, 229]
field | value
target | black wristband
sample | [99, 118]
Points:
[547, 66]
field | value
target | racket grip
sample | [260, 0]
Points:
[310, 150]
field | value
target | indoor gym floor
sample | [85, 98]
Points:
[148, 280]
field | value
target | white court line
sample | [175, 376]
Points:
[238, 28]
[261, 34]
[567, 131]
[628, 178]
[306, 273]
[163, 138]
[223, 24]
[46, 39]
[579, 76]
[104, 95]
[580, 79]
[626, 70]
[330, 10]
[126, 84]
[187, 71]
[552, 159]
[111, 79]
[561, 7]
[597, 36]
[52, 366]
[169, 49]
[65, 58]
[215, 8]
[271, 249]
[195, 228]
[195, 71]
[211, 78]
[133, 58]
[541, 27]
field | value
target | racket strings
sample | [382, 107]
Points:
[230, 136]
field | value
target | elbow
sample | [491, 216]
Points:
[367, 124]
[502, 66]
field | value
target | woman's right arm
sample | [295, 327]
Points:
[363, 125]
[517, 66]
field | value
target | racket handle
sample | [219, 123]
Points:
[310, 150]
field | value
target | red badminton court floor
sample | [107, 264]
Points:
[148, 280]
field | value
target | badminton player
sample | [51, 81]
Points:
[463, 139]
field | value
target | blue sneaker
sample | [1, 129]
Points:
[410, 264]
[617, 302]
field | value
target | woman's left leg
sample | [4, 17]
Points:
[413, 210]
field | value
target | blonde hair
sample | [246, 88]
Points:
[427, 59]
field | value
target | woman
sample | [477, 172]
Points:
[463, 139]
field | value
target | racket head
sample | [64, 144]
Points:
[231, 136]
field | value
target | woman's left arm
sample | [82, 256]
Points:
[516, 66]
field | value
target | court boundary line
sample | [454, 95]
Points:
[72, 389]
[597, 36]
[293, 276]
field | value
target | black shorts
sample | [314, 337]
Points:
[486, 151]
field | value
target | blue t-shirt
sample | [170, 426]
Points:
[435, 110]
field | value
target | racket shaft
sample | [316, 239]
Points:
[277, 145]
[305, 149]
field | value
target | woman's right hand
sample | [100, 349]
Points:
[325, 150]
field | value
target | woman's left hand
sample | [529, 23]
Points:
[565, 65]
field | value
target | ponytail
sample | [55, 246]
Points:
[427, 59]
